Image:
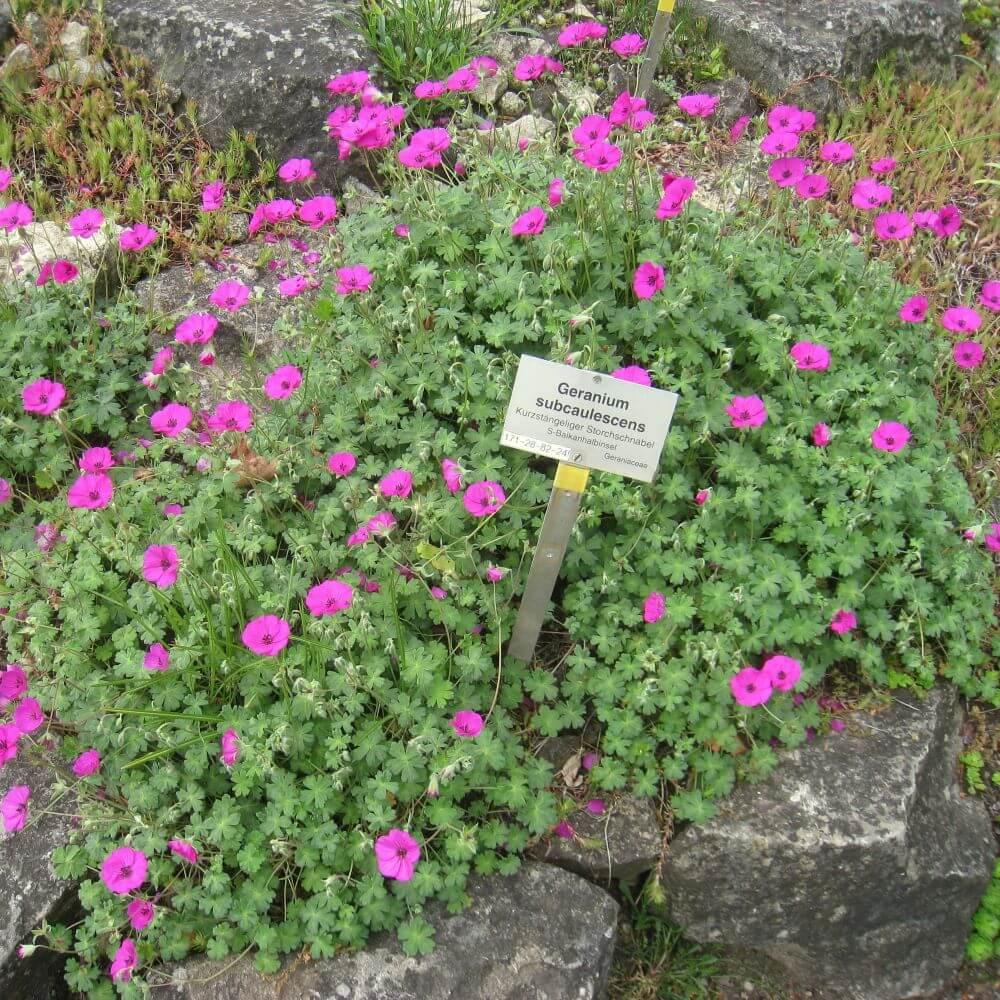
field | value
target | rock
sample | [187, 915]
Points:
[356, 196]
[21, 256]
[20, 59]
[491, 88]
[735, 100]
[530, 127]
[508, 49]
[619, 845]
[29, 888]
[511, 104]
[75, 40]
[778, 44]
[856, 865]
[77, 71]
[6, 21]
[245, 339]
[576, 99]
[253, 67]
[541, 934]
[33, 28]
[471, 12]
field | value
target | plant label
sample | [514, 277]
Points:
[587, 418]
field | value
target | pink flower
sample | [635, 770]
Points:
[820, 435]
[782, 672]
[698, 105]
[140, 913]
[531, 67]
[812, 186]
[157, 657]
[42, 397]
[738, 127]
[592, 129]
[398, 483]
[124, 962]
[318, 211]
[198, 328]
[989, 297]
[914, 309]
[172, 510]
[884, 166]
[893, 226]
[397, 854]
[87, 763]
[282, 382]
[530, 223]
[85, 224]
[702, 497]
[28, 715]
[439, 593]
[463, 79]
[234, 415]
[968, 354]
[229, 295]
[789, 118]
[170, 420]
[628, 45]
[229, 748]
[14, 808]
[452, 475]
[890, 436]
[810, 357]
[295, 170]
[329, 597]
[991, 539]
[563, 830]
[676, 193]
[279, 209]
[947, 222]
[356, 278]
[97, 460]
[64, 271]
[6, 178]
[212, 195]
[836, 152]
[843, 622]
[633, 373]
[579, 32]
[9, 736]
[402, 231]
[787, 171]
[290, 288]
[160, 565]
[925, 220]
[124, 870]
[5, 491]
[183, 850]
[647, 280]
[137, 238]
[602, 156]
[266, 635]
[91, 492]
[13, 683]
[15, 215]
[961, 319]
[495, 574]
[654, 607]
[467, 723]
[348, 83]
[430, 89]
[747, 411]
[484, 498]
[342, 463]
[775, 143]
[750, 687]
[868, 194]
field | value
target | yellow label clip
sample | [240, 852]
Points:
[666, 5]
[571, 477]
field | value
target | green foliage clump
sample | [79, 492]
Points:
[984, 943]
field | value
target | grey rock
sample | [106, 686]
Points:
[491, 88]
[735, 100]
[541, 934]
[77, 71]
[471, 12]
[856, 865]
[511, 104]
[575, 99]
[23, 252]
[6, 21]
[30, 892]
[19, 60]
[533, 128]
[508, 48]
[618, 845]
[253, 67]
[33, 28]
[356, 196]
[778, 44]
[75, 40]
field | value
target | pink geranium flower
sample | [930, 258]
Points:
[229, 748]
[738, 127]
[140, 914]
[13, 683]
[124, 870]
[160, 565]
[28, 715]
[15, 216]
[137, 238]
[198, 328]
[212, 195]
[42, 397]
[356, 278]
[157, 657]
[14, 808]
[602, 156]
[183, 850]
[91, 492]
[124, 962]
[868, 194]
[961, 319]
[464, 79]
[296, 170]
[467, 723]
[452, 475]
[989, 297]
[947, 222]
[991, 539]
[843, 622]
[836, 152]
[787, 171]
[318, 211]
[279, 209]
[428, 90]
[234, 415]
[782, 672]
[342, 463]
[85, 224]
[702, 497]
[266, 635]
[884, 166]
[914, 309]
[579, 32]
[654, 607]
[750, 687]
[647, 280]
[810, 357]
[530, 223]
[531, 67]
[87, 763]
[633, 373]
[790, 118]
[398, 483]
[63, 272]
[495, 573]
[348, 83]
[329, 597]
[747, 411]
[5, 491]
[676, 193]
[812, 186]
[628, 45]
[698, 105]
[591, 129]
[893, 226]
[779, 143]
[968, 354]
[821, 435]
[282, 382]
[290, 288]
[97, 460]
[484, 498]
[9, 737]
[890, 436]
[229, 295]
[397, 854]
[170, 420]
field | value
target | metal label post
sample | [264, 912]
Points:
[657, 39]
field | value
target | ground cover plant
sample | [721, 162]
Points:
[294, 604]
